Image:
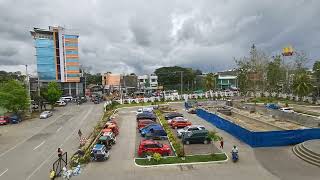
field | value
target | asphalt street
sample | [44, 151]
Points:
[28, 149]
[262, 163]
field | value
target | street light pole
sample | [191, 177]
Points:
[28, 88]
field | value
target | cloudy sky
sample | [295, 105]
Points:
[141, 35]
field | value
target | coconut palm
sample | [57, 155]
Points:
[302, 84]
[210, 81]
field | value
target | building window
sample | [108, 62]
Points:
[141, 80]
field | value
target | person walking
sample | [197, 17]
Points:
[60, 152]
[221, 142]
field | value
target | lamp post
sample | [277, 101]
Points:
[28, 88]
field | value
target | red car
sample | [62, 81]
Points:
[4, 120]
[144, 122]
[180, 123]
[150, 146]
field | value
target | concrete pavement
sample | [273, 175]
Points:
[32, 155]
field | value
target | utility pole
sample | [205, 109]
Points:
[181, 82]
[28, 88]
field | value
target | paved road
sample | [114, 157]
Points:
[28, 149]
[262, 163]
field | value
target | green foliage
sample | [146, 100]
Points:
[53, 93]
[13, 96]
[210, 82]
[170, 77]
[156, 157]
[93, 78]
[171, 137]
[213, 136]
[275, 73]
[188, 159]
[302, 84]
[7, 76]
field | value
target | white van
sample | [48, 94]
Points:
[66, 98]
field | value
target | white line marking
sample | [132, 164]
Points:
[39, 145]
[15, 146]
[65, 140]
[59, 129]
[4, 172]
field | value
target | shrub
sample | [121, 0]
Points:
[156, 157]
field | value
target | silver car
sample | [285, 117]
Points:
[45, 114]
[186, 129]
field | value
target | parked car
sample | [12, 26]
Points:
[191, 128]
[61, 103]
[156, 133]
[144, 122]
[176, 119]
[149, 147]
[15, 118]
[180, 123]
[99, 152]
[4, 120]
[139, 111]
[45, 114]
[192, 111]
[148, 128]
[147, 109]
[196, 137]
[172, 115]
[272, 106]
[287, 110]
[66, 98]
[146, 115]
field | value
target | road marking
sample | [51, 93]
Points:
[4, 172]
[65, 140]
[18, 144]
[59, 129]
[39, 145]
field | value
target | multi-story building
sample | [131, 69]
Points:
[148, 83]
[58, 59]
[227, 80]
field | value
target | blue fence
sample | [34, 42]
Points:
[260, 139]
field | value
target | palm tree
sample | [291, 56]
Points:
[210, 81]
[302, 85]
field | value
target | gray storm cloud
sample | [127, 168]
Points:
[141, 35]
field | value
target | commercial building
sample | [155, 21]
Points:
[227, 80]
[148, 83]
[111, 82]
[58, 59]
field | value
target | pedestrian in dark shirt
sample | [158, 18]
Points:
[221, 143]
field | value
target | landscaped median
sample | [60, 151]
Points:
[194, 159]
[180, 158]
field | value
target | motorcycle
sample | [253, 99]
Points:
[235, 156]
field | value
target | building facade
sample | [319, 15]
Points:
[148, 83]
[58, 58]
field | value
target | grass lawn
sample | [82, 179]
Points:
[188, 159]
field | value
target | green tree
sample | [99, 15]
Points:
[316, 74]
[302, 85]
[53, 93]
[13, 96]
[275, 74]
[210, 82]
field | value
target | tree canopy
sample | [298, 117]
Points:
[13, 96]
[53, 93]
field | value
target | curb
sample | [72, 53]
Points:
[177, 164]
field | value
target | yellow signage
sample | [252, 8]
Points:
[287, 51]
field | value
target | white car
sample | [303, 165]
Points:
[139, 111]
[287, 110]
[45, 114]
[61, 103]
[186, 129]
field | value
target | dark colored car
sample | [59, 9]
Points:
[4, 120]
[149, 147]
[156, 133]
[14, 119]
[172, 115]
[145, 115]
[196, 137]
[148, 128]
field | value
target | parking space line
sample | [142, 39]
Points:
[18, 144]
[4, 172]
[39, 145]
[59, 129]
